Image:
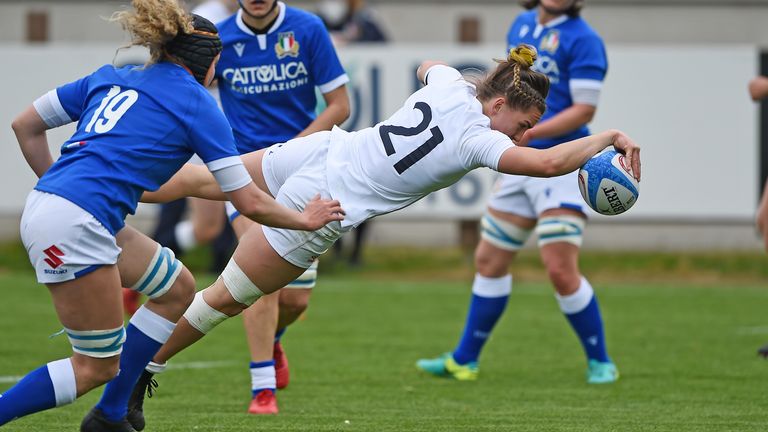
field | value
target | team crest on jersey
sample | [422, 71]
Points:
[286, 45]
[239, 48]
[550, 41]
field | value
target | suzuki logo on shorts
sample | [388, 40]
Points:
[53, 253]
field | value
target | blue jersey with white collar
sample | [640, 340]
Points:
[570, 53]
[136, 127]
[267, 81]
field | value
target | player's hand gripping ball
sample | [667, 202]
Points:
[607, 184]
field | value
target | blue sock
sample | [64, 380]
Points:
[262, 376]
[489, 299]
[139, 348]
[44, 388]
[583, 313]
[280, 333]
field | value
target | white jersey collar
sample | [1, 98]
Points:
[244, 28]
[555, 22]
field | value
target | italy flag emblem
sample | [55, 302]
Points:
[286, 45]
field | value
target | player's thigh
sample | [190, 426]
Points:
[261, 264]
[91, 302]
[207, 216]
[241, 225]
[295, 299]
[138, 252]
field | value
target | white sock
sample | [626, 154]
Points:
[185, 235]
[152, 324]
[263, 377]
[63, 378]
[156, 368]
[576, 302]
[492, 287]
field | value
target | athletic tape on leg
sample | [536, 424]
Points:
[202, 316]
[242, 289]
[563, 228]
[502, 234]
[97, 343]
[161, 273]
[308, 279]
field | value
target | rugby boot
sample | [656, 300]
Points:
[146, 384]
[95, 421]
[264, 402]
[601, 372]
[282, 374]
[446, 366]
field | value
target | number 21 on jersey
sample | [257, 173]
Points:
[420, 151]
[111, 110]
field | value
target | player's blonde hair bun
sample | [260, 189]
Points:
[524, 55]
[152, 23]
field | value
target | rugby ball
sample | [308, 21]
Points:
[607, 185]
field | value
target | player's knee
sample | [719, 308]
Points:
[239, 285]
[560, 228]
[99, 353]
[489, 265]
[565, 279]
[91, 373]
[161, 274]
[202, 316]
[182, 291]
[502, 234]
[205, 233]
[294, 306]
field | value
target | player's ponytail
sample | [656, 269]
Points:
[153, 23]
[514, 79]
[169, 31]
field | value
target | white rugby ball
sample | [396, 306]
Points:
[607, 185]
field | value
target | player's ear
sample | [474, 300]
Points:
[498, 103]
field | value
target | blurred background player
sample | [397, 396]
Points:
[573, 56]
[207, 220]
[273, 58]
[758, 90]
[123, 146]
[352, 22]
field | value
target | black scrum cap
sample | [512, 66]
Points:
[197, 49]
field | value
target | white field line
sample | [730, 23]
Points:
[173, 366]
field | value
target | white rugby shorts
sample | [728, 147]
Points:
[64, 241]
[295, 172]
[531, 196]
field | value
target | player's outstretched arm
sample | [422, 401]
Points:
[260, 207]
[30, 129]
[252, 202]
[189, 181]
[567, 157]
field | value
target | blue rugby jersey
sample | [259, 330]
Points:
[136, 127]
[568, 49]
[267, 81]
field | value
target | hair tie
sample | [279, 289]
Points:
[523, 54]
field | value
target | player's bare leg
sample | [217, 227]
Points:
[91, 306]
[576, 298]
[154, 271]
[490, 292]
[244, 278]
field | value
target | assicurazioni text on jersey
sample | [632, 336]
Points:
[267, 81]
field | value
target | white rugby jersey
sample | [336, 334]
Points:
[438, 135]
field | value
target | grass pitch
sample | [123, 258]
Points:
[686, 352]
